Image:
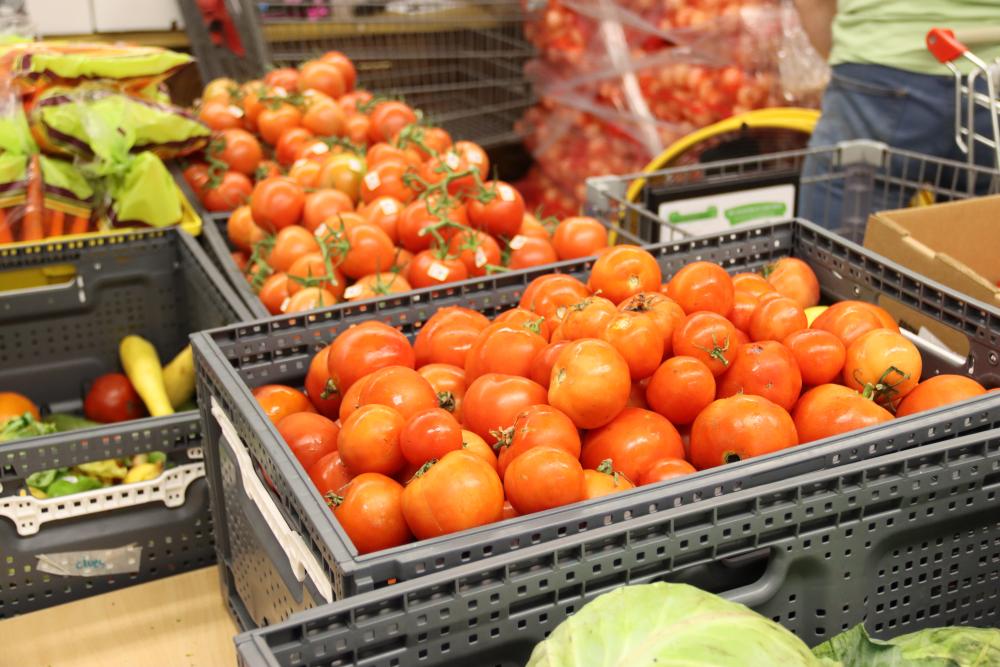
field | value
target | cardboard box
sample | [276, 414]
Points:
[956, 244]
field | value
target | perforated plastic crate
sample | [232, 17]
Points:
[314, 561]
[906, 541]
[54, 340]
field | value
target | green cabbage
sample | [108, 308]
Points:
[670, 625]
[934, 647]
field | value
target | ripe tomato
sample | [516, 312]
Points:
[524, 318]
[751, 283]
[663, 310]
[417, 220]
[459, 492]
[324, 118]
[369, 440]
[13, 404]
[493, 401]
[819, 354]
[291, 243]
[197, 176]
[377, 285]
[251, 92]
[401, 388]
[435, 139]
[309, 298]
[848, 320]
[474, 156]
[325, 77]
[277, 203]
[273, 122]
[388, 118]
[278, 401]
[321, 205]
[527, 251]
[551, 293]
[503, 348]
[291, 144]
[286, 78]
[536, 426]
[739, 427]
[666, 469]
[371, 513]
[346, 67]
[429, 269]
[508, 511]
[532, 228]
[744, 304]
[313, 270]
[382, 152]
[543, 478]
[702, 286]
[939, 391]
[624, 271]
[305, 173]
[638, 340]
[342, 172]
[448, 335]
[385, 213]
[329, 474]
[242, 231]
[577, 237]
[220, 89]
[477, 250]
[708, 337]
[765, 368]
[274, 292]
[885, 363]
[267, 169]
[352, 397]
[793, 278]
[365, 348]
[220, 116]
[356, 128]
[604, 481]
[368, 250]
[545, 359]
[386, 179]
[239, 149]
[832, 409]
[502, 212]
[111, 398]
[633, 440]
[309, 436]
[429, 434]
[590, 383]
[476, 446]
[321, 391]
[227, 193]
[587, 318]
[448, 382]
[776, 318]
[680, 388]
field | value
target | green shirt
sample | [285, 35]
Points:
[893, 32]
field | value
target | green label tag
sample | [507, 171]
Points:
[748, 212]
[677, 218]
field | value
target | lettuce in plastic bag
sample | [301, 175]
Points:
[934, 647]
[670, 625]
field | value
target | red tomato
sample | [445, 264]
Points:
[448, 382]
[493, 401]
[633, 441]
[278, 401]
[624, 271]
[680, 388]
[604, 481]
[329, 474]
[388, 118]
[849, 320]
[776, 318]
[587, 318]
[545, 359]
[365, 348]
[666, 469]
[272, 122]
[313, 270]
[939, 391]
[884, 363]
[238, 149]
[832, 409]
[346, 67]
[448, 335]
[362, 249]
[751, 283]
[277, 203]
[290, 244]
[536, 426]
[227, 193]
[220, 116]
[477, 250]
[385, 213]
[638, 339]
[819, 354]
[525, 319]
[323, 76]
[274, 292]
[310, 436]
[319, 388]
[291, 144]
[371, 513]
[242, 231]
[286, 78]
[386, 179]
[551, 293]
[744, 304]
[503, 348]
[324, 118]
[352, 397]
[429, 434]
[543, 478]
[702, 286]
[459, 492]
[590, 383]
[665, 313]
[766, 368]
[476, 446]
[502, 214]
[527, 251]
[111, 398]
[430, 220]
[708, 337]
[369, 440]
[739, 427]
[309, 298]
[577, 237]
[321, 205]
[793, 278]
[401, 388]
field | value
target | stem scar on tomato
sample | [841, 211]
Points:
[446, 400]
[731, 457]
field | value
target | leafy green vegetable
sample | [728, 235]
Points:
[934, 647]
[25, 426]
[64, 422]
[670, 625]
[70, 484]
[156, 457]
[42, 479]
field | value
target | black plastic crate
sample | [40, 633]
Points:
[261, 584]
[54, 340]
[907, 541]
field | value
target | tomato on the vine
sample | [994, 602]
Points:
[277, 203]
[497, 210]
[388, 118]
[528, 251]
[227, 192]
[477, 250]
[429, 268]
[238, 149]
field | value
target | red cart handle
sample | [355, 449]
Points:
[943, 44]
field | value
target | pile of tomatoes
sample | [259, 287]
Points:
[586, 389]
[362, 198]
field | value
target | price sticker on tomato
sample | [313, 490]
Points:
[438, 271]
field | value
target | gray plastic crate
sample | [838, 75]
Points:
[866, 176]
[54, 340]
[264, 587]
[907, 541]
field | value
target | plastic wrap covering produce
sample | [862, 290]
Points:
[620, 80]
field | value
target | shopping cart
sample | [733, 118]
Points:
[973, 91]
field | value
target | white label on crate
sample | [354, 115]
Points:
[506, 193]
[438, 271]
[372, 180]
[518, 242]
[723, 211]
[481, 258]
[353, 291]
[91, 563]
